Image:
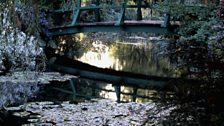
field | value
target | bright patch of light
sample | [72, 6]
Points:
[109, 95]
[100, 56]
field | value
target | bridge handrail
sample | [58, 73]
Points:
[98, 7]
[76, 24]
[123, 7]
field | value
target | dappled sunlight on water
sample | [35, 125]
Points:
[145, 57]
[109, 95]
[100, 55]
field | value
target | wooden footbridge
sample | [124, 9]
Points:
[76, 14]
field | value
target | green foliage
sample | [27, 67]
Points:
[196, 23]
[198, 51]
[197, 30]
[190, 48]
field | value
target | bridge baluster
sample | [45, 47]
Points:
[118, 92]
[166, 21]
[97, 12]
[77, 13]
[122, 15]
[73, 83]
[134, 95]
[139, 11]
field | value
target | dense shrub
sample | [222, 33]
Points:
[20, 43]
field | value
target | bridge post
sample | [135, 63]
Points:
[73, 84]
[122, 15]
[94, 89]
[118, 92]
[97, 12]
[134, 96]
[166, 20]
[76, 16]
[139, 11]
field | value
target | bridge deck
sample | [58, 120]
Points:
[154, 26]
[126, 22]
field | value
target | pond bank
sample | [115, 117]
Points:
[18, 87]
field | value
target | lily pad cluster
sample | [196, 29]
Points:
[98, 113]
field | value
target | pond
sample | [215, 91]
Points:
[136, 53]
[141, 56]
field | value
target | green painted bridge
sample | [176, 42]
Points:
[128, 18]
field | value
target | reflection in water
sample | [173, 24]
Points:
[137, 55]
[109, 95]
[89, 88]
[99, 55]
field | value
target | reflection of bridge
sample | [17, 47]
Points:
[120, 24]
[117, 78]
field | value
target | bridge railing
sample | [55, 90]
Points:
[109, 11]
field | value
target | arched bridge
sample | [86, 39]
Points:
[106, 16]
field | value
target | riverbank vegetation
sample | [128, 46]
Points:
[197, 50]
[20, 27]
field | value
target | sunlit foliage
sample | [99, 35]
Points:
[20, 40]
